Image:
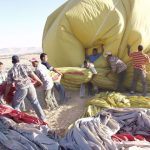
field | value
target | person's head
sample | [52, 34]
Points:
[85, 63]
[34, 62]
[1, 66]
[15, 59]
[43, 57]
[95, 51]
[108, 55]
[140, 48]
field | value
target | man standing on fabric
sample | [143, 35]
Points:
[90, 66]
[95, 55]
[58, 86]
[42, 72]
[20, 75]
[119, 67]
[139, 64]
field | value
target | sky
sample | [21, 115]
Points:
[22, 21]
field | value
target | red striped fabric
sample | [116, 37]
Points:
[139, 60]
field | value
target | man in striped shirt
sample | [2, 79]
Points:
[139, 62]
[119, 67]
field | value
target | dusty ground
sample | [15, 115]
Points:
[66, 114]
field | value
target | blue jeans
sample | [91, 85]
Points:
[31, 95]
[60, 88]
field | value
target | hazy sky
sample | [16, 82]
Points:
[22, 21]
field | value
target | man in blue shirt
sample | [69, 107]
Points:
[95, 55]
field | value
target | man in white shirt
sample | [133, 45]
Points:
[88, 65]
[42, 72]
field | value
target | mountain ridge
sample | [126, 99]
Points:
[20, 51]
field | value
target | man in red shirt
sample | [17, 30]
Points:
[140, 59]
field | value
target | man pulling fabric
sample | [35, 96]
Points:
[42, 72]
[20, 75]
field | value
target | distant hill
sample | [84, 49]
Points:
[20, 51]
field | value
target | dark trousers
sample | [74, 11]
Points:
[139, 74]
[61, 91]
[120, 82]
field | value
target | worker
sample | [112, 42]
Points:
[140, 59]
[42, 72]
[58, 86]
[20, 75]
[118, 67]
[94, 56]
[90, 66]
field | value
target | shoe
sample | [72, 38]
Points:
[132, 92]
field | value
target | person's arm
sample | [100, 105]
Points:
[8, 85]
[102, 48]
[55, 70]
[93, 70]
[86, 53]
[129, 49]
[147, 59]
[32, 75]
[51, 68]
[110, 72]
[7, 90]
[35, 77]
[113, 68]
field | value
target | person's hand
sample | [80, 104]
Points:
[56, 78]
[5, 98]
[37, 84]
[61, 74]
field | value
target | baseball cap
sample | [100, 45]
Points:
[34, 60]
[107, 54]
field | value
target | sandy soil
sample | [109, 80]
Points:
[62, 117]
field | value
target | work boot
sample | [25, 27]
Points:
[132, 92]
